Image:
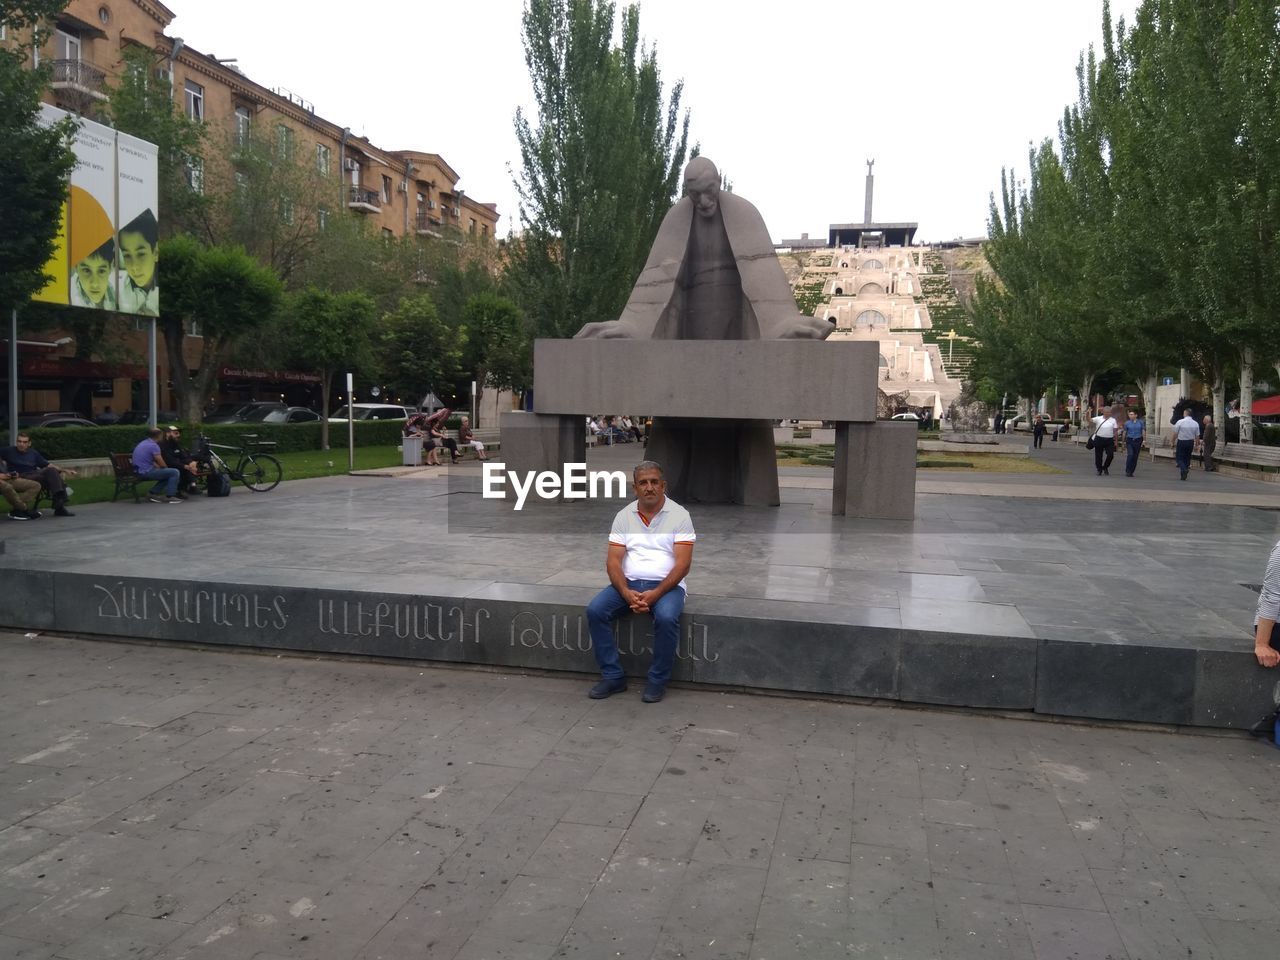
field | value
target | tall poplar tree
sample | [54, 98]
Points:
[600, 162]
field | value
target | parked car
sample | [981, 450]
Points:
[39, 419]
[239, 411]
[71, 420]
[905, 416]
[132, 417]
[372, 411]
[282, 415]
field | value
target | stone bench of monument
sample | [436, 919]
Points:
[730, 380]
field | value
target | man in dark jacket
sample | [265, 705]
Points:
[28, 463]
[1208, 442]
[178, 458]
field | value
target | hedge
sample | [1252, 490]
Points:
[78, 443]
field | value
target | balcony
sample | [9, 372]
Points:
[367, 200]
[429, 224]
[79, 76]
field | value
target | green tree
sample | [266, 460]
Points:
[35, 161]
[501, 346]
[599, 164]
[218, 293]
[329, 332]
[142, 104]
[419, 351]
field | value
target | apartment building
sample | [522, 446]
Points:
[402, 192]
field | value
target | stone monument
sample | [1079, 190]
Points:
[711, 344]
[712, 275]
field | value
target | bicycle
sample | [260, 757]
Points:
[256, 470]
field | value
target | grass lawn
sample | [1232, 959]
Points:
[296, 466]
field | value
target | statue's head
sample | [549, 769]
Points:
[702, 186]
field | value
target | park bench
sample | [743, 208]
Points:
[126, 477]
[1244, 456]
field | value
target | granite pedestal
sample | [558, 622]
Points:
[713, 403]
[875, 472]
[536, 442]
[971, 604]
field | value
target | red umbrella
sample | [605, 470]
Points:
[1266, 407]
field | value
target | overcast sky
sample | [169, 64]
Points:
[789, 103]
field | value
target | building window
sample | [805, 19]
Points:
[484, 231]
[241, 187]
[244, 122]
[195, 100]
[192, 328]
[387, 234]
[286, 211]
[194, 173]
[386, 189]
[66, 46]
[323, 157]
[284, 142]
[471, 228]
[2, 35]
[322, 218]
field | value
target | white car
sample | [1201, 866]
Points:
[905, 416]
[372, 411]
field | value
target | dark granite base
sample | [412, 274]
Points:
[544, 627]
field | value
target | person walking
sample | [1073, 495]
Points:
[1208, 443]
[1135, 431]
[1037, 432]
[1185, 434]
[1104, 441]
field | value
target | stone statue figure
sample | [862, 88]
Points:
[712, 274]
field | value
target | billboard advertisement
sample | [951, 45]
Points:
[105, 257]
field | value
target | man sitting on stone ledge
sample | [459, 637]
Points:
[650, 552]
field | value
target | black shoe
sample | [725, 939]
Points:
[1184, 474]
[19, 515]
[607, 688]
[653, 693]
[156, 499]
[61, 511]
[34, 514]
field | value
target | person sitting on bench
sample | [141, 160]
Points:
[21, 494]
[29, 464]
[180, 459]
[149, 462]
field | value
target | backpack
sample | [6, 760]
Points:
[218, 484]
[1268, 728]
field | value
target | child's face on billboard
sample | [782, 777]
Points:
[138, 258]
[94, 273]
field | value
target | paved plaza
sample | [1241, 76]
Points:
[171, 802]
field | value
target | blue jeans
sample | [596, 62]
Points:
[166, 479]
[1182, 454]
[1131, 461]
[608, 605]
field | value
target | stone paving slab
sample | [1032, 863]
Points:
[173, 803]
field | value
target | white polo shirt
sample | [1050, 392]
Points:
[1186, 429]
[651, 547]
[1105, 427]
